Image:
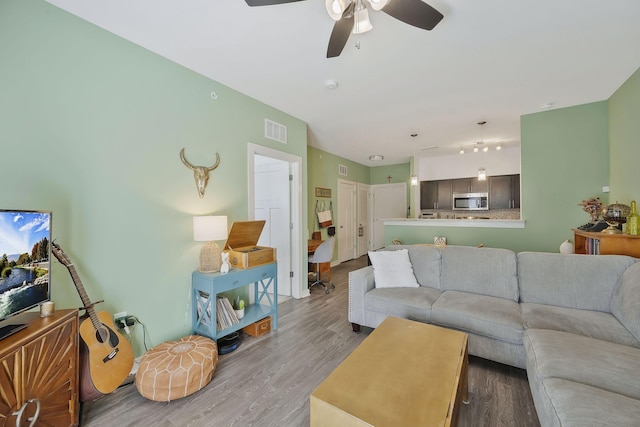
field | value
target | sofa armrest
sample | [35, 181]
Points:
[360, 282]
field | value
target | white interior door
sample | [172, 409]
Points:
[272, 204]
[346, 232]
[363, 208]
[388, 201]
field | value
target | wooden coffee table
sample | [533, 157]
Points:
[405, 373]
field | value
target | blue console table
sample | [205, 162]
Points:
[206, 286]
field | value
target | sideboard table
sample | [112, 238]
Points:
[206, 286]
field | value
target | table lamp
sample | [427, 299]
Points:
[209, 229]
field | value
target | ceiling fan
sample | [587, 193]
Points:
[352, 16]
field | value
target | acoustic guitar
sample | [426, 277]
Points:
[106, 357]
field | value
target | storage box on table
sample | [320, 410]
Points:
[258, 328]
[241, 245]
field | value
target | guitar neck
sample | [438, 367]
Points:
[86, 302]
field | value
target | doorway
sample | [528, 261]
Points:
[346, 220]
[275, 195]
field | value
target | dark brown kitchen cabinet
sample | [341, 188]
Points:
[428, 194]
[445, 200]
[469, 185]
[435, 194]
[504, 192]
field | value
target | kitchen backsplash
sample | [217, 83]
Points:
[490, 214]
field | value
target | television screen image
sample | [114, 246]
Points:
[25, 257]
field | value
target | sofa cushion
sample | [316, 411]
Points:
[594, 324]
[408, 303]
[580, 405]
[626, 298]
[392, 269]
[574, 281]
[480, 314]
[602, 364]
[425, 260]
[483, 271]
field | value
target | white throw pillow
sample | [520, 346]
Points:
[393, 269]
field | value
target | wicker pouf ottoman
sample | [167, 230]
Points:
[176, 369]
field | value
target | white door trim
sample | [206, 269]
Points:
[299, 287]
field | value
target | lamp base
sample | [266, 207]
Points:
[209, 258]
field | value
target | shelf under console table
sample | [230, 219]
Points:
[592, 243]
[205, 288]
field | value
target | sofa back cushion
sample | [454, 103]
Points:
[483, 271]
[584, 282]
[626, 300]
[425, 261]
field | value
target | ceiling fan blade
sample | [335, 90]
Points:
[340, 33]
[268, 2]
[414, 12]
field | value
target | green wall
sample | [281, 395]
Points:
[91, 127]
[624, 141]
[323, 172]
[565, 159]
[399, 173]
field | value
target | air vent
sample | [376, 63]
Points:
[342, 170]
[275, 131]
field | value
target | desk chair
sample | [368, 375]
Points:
[323, 254]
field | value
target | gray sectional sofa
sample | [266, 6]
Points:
[572, 321]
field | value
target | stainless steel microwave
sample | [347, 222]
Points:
[470, 201]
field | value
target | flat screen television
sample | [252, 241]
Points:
[25, 262]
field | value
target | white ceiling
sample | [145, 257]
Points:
[490, 60]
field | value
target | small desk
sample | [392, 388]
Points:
[312, 245]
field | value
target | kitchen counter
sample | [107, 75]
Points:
[470, 223]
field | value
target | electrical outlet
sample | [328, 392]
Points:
[120, 315]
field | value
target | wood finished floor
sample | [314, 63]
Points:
[267, 381]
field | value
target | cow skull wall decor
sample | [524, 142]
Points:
[200, 173]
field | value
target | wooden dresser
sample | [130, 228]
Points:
[39, 371]
[591, 243]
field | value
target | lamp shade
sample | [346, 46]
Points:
[335, 8]
[378, 4]
[209, 228]
[362, 23]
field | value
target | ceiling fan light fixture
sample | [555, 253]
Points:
[335, 8]
[362, 23]
[378, 4]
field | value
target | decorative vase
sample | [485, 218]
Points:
[567, 247]
[239, 313]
